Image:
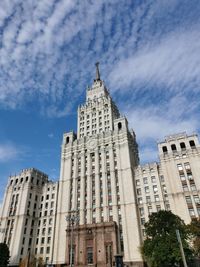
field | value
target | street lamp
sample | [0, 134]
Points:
[181, 247]
[73, 219]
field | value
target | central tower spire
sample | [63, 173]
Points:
[97, 72]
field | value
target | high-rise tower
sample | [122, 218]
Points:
[96, 180]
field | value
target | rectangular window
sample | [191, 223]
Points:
[150, 210]
[155, 188]
[196, 199]
[141, 210]
[162, 178]
[148, 199]
[180, 167]
[187, 166]
[158, 207]
[189, 176]
[137, 182]
[182, 177]
[188, 199]
[185, 187]
[157, 198]
[139, 200]
[193, 187]
[153, 179]
[146, 189]
[145, 181]
[191, 212]
[139, 192]
[89, 255]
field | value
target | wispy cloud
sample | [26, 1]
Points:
[9, 152]
[173, 63]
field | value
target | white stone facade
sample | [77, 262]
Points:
[28, 216]
[100, 178]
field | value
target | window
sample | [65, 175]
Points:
[49, 230]
[164, 188]
[187, 166]
[41, 250]
[162, 178]
[180, 167]
[139, 200]
[182, 145]
[139, 192]
[137, 182]
[148, 199]
[119, 125]
[155, 188]
[48, 250]
[182, 177]
[164, 148]
[153, 179]
[192, 144]
[89, 255]
[150, 210]
[173, 147]
[145, 181]
[146, 189]
[196, 199]
[189, 176]
[142, 221]
[156, 198]
[191, 212]
[185, 187]
[188, 199]
[193, 187]
[141, 210]
[158, 208]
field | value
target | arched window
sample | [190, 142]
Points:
[173, 147]
[164, 148]
[182, 145]
[119, 125]
[192, 144]
[67, 140]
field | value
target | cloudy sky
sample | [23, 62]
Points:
[149, 53]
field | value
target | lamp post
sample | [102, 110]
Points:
[181, 248]
[72, 218]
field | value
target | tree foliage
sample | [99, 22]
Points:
[4, 255]
[194, 228]
[161, 247]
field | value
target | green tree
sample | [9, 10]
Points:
[194, 228]
[4, 255]
[161, 248]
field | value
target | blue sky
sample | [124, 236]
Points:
[149, 53]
